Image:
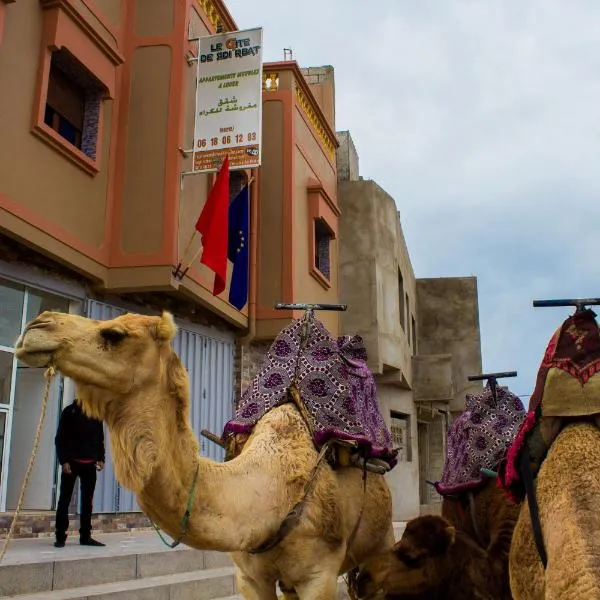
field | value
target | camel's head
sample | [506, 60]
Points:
[420, 561]
[106, 359]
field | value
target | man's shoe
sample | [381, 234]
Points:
[90, 542]
[59, 544]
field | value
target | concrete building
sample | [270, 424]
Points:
[94, 215]
[422, 336]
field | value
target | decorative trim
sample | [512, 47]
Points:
[316, 273]
[68, 8]
[218, 15]
[58, 143]
[316, 187]
[315, 121]
[270, 82]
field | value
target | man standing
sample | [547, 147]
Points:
[80, 449]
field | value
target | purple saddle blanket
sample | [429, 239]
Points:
[335, 385]
[479, 439]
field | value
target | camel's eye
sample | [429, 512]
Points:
[113, 336]
[412, 561]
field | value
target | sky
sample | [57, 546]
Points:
[482, 119]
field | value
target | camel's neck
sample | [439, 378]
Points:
[157, 457]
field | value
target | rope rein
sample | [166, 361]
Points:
[49, 375]
[185, 520]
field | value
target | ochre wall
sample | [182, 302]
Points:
[47, 196]
[272, 197]
[294, 162]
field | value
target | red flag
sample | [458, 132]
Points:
[212, 224]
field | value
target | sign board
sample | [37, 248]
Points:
[229, 100]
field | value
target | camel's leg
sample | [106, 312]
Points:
[254, 590]
[321, 586]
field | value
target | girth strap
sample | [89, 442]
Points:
[293, 517]
[474, 520]
[533, 506]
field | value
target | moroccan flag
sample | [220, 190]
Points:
[212, 226]
[237, 250]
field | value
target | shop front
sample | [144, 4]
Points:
[207, 354]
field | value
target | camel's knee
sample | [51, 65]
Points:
[251, 589]
[319, 587]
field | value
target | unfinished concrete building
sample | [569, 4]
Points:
[422, 335]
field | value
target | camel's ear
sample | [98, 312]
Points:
[166, 328]
[450, 535]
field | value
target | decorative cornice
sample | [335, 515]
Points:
[218, 15]
[69, 9]
[307, 106]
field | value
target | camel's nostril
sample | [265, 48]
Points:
[38, 324]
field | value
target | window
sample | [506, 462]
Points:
[407, 316]
[323, 237]
[73, 103]
[401, 438]
[401, 298]
[237, 180]
[414, 335]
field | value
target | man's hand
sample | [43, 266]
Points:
[100, 465]
[66, 468]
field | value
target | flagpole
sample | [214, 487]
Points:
[187, 248]
[187, 267]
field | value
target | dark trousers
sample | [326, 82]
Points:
[87, 478]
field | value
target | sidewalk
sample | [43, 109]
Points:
[34, 550]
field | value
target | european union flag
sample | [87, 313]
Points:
[237, 249]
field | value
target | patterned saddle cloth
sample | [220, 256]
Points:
[567, 388]
[479, 438]
[337, 390]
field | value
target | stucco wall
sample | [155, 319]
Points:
[372, 249]
[33, 175]
[448, 323]
[347, 157]
[403, 479]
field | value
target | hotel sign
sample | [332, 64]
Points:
[229, 100]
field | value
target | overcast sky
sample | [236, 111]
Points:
[482, 119]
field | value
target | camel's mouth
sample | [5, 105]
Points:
[35, 348]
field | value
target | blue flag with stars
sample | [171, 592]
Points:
[237, 249]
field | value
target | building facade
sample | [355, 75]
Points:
[422, 336]
[297, 230]
[96, 210]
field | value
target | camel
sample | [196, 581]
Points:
[490, 522]
[554, 463]
[568, 497]
[127, 374]
[477, 443]
[431, 561]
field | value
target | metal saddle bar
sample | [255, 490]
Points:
[310, 307]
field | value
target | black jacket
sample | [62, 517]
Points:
[78, 436]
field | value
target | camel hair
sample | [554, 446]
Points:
[568, 497]
[127, 374]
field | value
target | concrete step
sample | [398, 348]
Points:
[204, 584]
[34, 566]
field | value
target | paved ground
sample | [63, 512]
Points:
[42, 549]
[139, 542]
